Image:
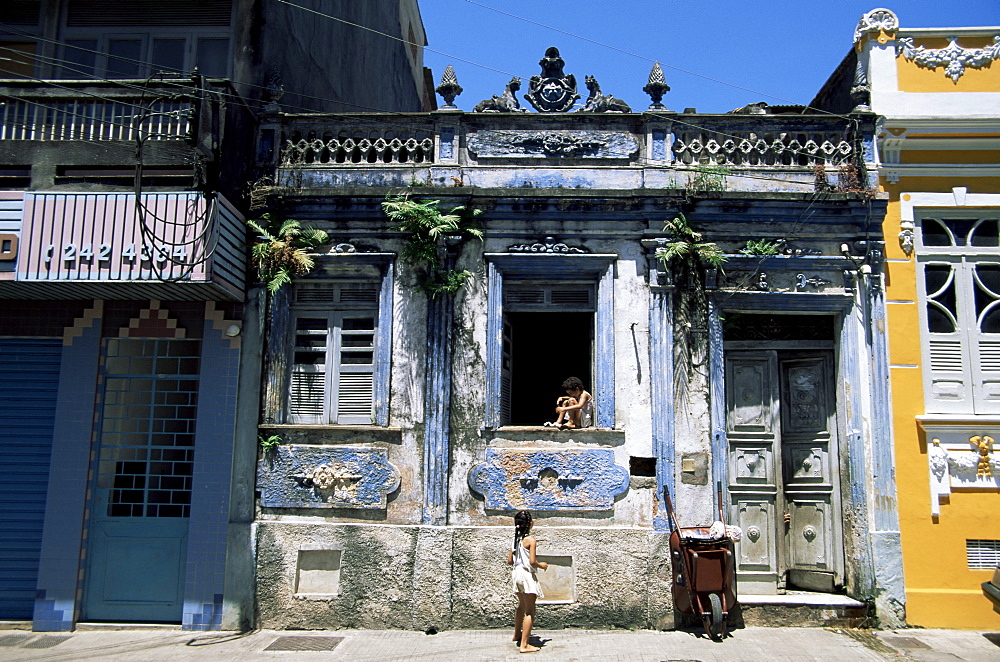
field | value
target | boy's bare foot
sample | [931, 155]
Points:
[529, 649]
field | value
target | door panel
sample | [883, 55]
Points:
[781, 426]
[809, 471]
[810, 542]
[137, 545]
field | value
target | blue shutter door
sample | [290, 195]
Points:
[29, 380]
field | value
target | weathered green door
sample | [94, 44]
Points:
[783, 469]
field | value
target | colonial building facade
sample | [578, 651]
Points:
[714, 280]
[937, 91]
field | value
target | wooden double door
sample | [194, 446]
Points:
[784, 478]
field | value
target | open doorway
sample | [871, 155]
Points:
[542, 349]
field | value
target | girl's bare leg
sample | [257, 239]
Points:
[518, 619]
[527, 603]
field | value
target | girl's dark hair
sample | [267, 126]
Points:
[522, 524]
[572, 383]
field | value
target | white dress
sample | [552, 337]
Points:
[523, 578]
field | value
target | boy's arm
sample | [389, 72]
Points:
[577, 404]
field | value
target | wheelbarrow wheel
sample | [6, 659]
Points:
[716, 624]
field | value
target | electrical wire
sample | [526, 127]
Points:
[75, 68]
[642, 57]
[671, 118]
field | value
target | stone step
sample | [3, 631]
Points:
[802, 609]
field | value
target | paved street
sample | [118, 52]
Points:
[745, 645]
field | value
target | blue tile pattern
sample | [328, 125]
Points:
[206, 553]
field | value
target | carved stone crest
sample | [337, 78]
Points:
[543, 479]
[552, 91]
[299, 476]
[549, 245]
[555, 143]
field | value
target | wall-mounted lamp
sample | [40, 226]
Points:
[233, 330]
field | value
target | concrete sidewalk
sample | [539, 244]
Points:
[750, 644]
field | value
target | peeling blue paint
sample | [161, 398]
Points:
[326, 477]
[563, 479]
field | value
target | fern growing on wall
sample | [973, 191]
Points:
[282, 250]
[426, 227]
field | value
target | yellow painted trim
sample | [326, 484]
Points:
[956, 591]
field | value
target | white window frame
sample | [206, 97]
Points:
[961, 370]
[335, 311]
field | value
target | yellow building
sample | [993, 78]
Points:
[938, 94]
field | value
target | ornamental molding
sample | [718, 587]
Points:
[876, 21]
[548, 144]
[326, 477]
[953, 58]
[549, 479]
[961, 461]
[548, 245]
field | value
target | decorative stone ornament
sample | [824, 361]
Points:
[876, 21]
[953, 58]
[598, 102]
[326, 477]
[549, 245]
[449, 88]
[507, 103]
[552, 91]
[656, 87]
[557, 479]
[955, 463]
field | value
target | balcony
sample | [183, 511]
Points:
[81, 245]
[564, 150]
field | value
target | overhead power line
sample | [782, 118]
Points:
[642, 57]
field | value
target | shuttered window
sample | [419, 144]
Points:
[334, 354]
[982, 554]
[959, 286]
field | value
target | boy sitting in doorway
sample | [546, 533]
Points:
[576, 410]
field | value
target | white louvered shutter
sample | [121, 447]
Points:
[355, 376]
[983, 279]
[308, 388]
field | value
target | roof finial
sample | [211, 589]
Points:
[449, 88]
[656, 86]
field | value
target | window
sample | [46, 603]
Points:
[959, 288]
[550, 317]
[335, 337]
[982, 554]
[89, 53]
[548, 336]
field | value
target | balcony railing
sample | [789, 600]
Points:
[780, 141]
[67, 110]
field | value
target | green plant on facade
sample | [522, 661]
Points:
[685, 255]
[426, 227]
[686, 245]
[282, 250]
[708, 178]
[269, 443]
[761, 248]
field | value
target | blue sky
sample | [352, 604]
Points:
[717, 55]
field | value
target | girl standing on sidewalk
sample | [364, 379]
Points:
[522, 557]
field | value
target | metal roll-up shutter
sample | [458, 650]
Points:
[29, 384]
